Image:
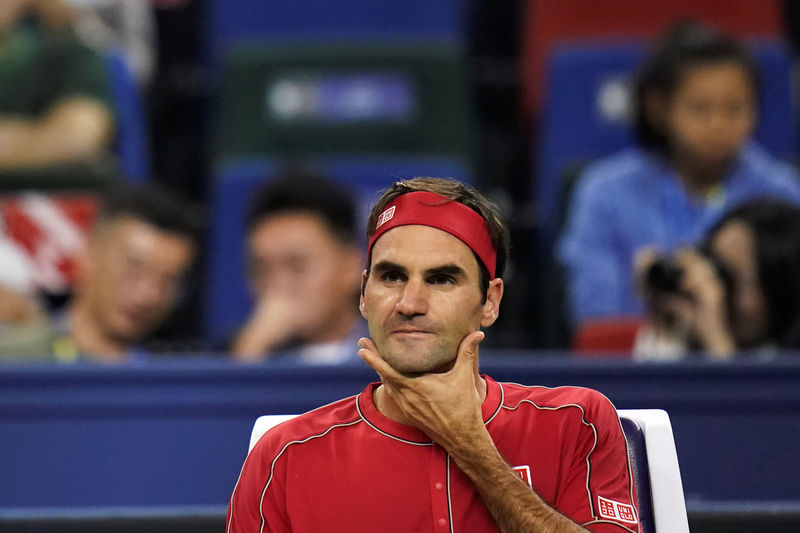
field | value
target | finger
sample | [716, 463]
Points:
[644, 258]
[689, 258]
[366, 342]
[369, 353]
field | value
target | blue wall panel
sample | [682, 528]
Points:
[175, 433]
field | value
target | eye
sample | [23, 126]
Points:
[441, 279]
[392, 276]
[737, 109]
[699, 108]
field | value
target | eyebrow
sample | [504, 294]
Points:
[450, 269]
[446, 270]
[387, 266]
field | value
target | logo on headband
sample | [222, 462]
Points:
[385, 217]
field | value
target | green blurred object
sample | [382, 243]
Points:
[388, 98]
[96, 176]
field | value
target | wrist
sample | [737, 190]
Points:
[254, 340]
[718, 341]
[476, 453]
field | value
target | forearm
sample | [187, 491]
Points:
[515, 507]
[77, 130]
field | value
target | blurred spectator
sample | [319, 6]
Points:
[696, 109]
[54, 92]
[24, 328]
[739, 291]
[122, 24]
[304, 271]
[130, 275]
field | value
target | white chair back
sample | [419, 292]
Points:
[666, 489]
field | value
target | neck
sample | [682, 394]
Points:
[90, 338]
[699, 180]
[389, 408]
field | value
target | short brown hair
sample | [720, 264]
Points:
[461, 193]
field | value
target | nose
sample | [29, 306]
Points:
[278, 281]
[146, 292]
[412, 300]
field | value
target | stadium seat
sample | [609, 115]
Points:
[588, 110]
[131, 143]
[231, 23]
[654, 461]
[606, 336]
[548, 25]
[228, 301]
[651, 448]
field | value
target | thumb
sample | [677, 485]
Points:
[468, 351]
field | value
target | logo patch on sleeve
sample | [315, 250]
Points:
[385, 217]
[524, 473]
[615, 510]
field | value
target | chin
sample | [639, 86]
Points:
[129, 333]
[419, 363]
[717, 161]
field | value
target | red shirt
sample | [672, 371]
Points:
[346, 467]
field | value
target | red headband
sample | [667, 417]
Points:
[430, 209]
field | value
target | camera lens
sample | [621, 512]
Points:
[664, 275]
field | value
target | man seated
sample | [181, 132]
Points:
[129, 275]
[436, 446]
[54, 92]
[303, 270]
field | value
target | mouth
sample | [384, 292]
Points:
[410, 333]
[135, 318]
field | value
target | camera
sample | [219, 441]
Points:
[665, 274]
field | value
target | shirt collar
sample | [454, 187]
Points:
[412, 435]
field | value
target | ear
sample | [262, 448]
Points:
[361, 306]
[491, 308]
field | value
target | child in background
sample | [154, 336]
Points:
[696, 109]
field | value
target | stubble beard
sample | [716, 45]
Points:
[412, 360]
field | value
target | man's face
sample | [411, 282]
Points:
[294, 257]
[423, 296]
[131, 276]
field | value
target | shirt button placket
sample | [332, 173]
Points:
[438, 484]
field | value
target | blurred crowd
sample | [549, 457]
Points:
[116, 164]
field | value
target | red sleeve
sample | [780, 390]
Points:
[599, 491]
[258, 503]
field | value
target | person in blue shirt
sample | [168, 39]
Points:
[696, 110]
